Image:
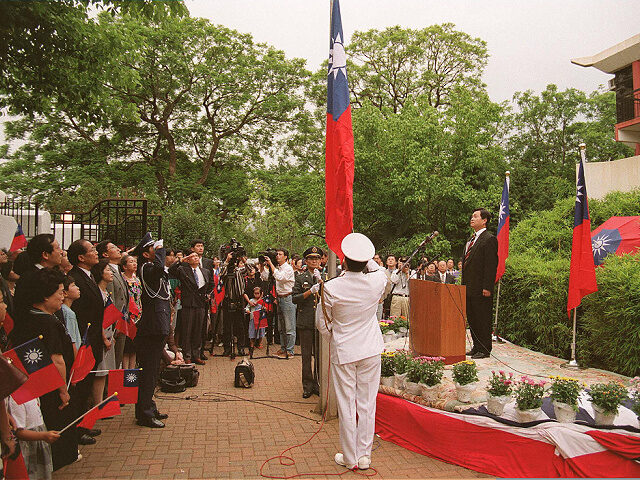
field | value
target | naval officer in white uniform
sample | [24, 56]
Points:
[346, 317]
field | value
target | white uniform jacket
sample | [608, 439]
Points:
[351, 302]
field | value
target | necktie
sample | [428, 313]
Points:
[442, 277]
[195, 275]
[471, 242]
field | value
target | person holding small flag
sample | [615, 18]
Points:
[129, 266]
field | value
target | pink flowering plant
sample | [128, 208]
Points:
[465, 372]
[500, 384]
[386, 326]
[528, 393]
[431, 370]
[399, 321]
[566, 390]
[413, 370]
[401, 361]
[608, 396]
[635, 395]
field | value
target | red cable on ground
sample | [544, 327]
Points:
[292, 462]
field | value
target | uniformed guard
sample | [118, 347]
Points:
[153, 326]
[346, 317]
[305, 291]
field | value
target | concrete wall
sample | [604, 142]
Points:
[619, 175]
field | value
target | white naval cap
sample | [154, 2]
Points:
[358, 247]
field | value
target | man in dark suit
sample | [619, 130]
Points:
[442, 276]
[197, 246]
[195, 284]
[479, 274]
[153, 326]
[89, 309]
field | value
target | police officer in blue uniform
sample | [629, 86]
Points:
[153, 326]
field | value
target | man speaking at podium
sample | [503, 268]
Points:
[479, 274]
[346, 318]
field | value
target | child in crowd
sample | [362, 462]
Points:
[33, 437]
[257, 318]
[71, 293]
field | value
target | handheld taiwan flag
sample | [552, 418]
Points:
[260, 316]
[84, 361]
[19, 240]
[7, 323]
[109, 407]
[134, 311]
[582, 273]
[503, 229]
[111, 314]
[339, 154]
[15, 469]
[33, 359]
[218, 291]
[125, 382]
[126, 325]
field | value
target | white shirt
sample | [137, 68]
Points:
[200, 276]
[401, 282]
[27, 415]
[477, 234]
[443, 276]
[351, 302]
[285, 278]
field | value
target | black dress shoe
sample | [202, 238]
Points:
[86, 440]
[161, 416]
[203, 357]
[470, 352]
[150, 422]
[478, 355]
[307, 393]
[94, 432]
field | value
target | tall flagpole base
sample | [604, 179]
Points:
[572, 365]
[497, 339]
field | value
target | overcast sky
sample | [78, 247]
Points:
[530, 42]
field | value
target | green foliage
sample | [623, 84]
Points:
[500, 384]
[566, 390]
[387, 364]
[608, 396]
[414, 370]
[431, 370]
[528, 393]
[401, 361]
[465, 372]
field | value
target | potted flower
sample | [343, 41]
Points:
[635, 395]
[465, 376]
[387, 368]
[400, 362]
[499, 390]
[386, 327]
[431, 371]
[414, 370]
[565, 392]
[400, 323]
[528, 394]
[606, 398]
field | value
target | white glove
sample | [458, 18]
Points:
[317, 275]
[372, 266]
[158, 244]
[315, 288]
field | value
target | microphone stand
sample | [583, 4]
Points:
[421, 246]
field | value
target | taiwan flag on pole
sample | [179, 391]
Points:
[84, 361]
[111, 314]
[33, 359]
[125, 325]
[339, 155]
[19, 240]
[108, 408]
[218, 291]
[125, 382]
[503, 229]
[582, 274]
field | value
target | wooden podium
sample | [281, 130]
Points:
[437, 319]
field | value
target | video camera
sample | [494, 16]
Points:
[269, 252]
[234, 248]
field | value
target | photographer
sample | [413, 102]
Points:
[400, 280]
[233, 304]
[285, 279]
[268, 284]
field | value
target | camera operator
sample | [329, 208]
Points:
[285, 280]
[400, 280]
[233, 303]
[268, 284]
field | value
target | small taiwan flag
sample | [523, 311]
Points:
[111, 314]
[84, 361]
[134, 311]
[218, 291]
[260, 318]
[125, 382]
[7, 323]
[19, 240]
[15, 469]
[109, 408]
[125, 325]
[34, 360]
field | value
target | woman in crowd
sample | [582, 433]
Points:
[129, 265]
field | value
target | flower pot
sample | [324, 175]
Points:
[530, 415]
[603, 418]
[564, 412]
[412, 388]
[388, 337]
[387, 381]
[495, 405]
[398, 381]
[402, 329]
[464, 392]
[430, 393]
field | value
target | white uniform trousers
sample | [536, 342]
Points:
[356, 385]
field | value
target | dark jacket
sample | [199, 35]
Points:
[479, 270]
[306, 306]
[191, 295]
[436, 278]
[89, 308]
[156, 308]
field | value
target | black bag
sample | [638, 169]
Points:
[190, 374]
[245, 374]
[171, 381]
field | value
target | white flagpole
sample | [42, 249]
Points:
[91, 409]
[496, 338]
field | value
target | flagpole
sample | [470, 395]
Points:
[39, 337]
[496, 337]
[115, 394]
[113, 370]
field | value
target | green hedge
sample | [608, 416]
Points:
[534, 287]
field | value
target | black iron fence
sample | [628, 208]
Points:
[26, 213]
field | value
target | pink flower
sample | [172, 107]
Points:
[501, 372]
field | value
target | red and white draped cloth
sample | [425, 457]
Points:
[547, 449]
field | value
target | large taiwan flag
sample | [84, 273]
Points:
[582, 273]
[503, 229]
[339, 157]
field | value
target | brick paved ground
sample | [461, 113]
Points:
[210, 438]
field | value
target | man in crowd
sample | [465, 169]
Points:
[400, 280]
[118, 288]
[305, 289]
[443, 276]
[153, 327]
[285, 279]
[197, 246]
[478, 274]
[346, 317]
